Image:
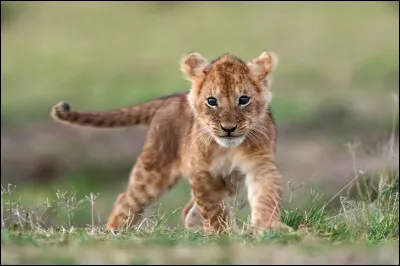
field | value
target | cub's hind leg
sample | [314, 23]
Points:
[145, 186]
[156, 171]
[192, 217]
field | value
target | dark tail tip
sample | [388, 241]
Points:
[63, 107]
[60, 109]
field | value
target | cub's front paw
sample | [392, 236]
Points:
[281, 227]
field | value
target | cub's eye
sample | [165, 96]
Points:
[244, 100]
[211, 101]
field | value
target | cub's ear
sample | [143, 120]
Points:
[261, 66]
[193, 65]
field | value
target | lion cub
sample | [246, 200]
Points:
[220, 135]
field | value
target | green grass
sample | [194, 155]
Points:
[355, 229]
[176, 245]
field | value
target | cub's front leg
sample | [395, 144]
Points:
[209, 193]
[264, 194]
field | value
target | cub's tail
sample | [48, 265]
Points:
[140, 114]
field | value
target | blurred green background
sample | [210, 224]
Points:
[336, 83]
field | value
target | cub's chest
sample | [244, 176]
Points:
[226, 167]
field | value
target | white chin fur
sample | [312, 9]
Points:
[232, 142]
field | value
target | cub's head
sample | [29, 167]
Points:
[229, 97]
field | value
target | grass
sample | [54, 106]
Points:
[358, 229]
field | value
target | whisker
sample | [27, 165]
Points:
[199, 130]
[200, 134]
[255, 137]
[203, 135]
[251, 137]
[259, 128]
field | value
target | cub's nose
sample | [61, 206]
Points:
[228, 128]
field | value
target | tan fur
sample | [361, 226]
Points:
[184, 140]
